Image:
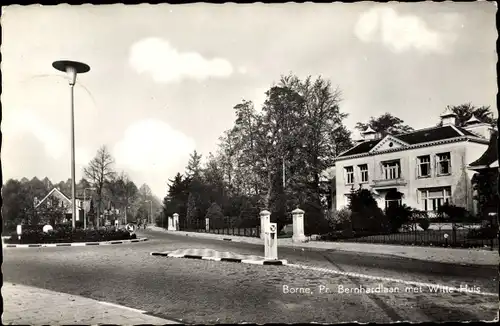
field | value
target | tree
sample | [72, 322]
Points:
[465, 111]
[16, 203]
[193, 169]
[99, 172]
[51, 212]
[386, 124]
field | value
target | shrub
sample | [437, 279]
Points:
[424, 223]
[397, 216]
[63, 234]
[454, 214]
[483, 233]
[366, 215]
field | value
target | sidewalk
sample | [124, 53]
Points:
[443, 255]
[25, 305]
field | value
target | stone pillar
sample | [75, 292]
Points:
[170, 223]
[176, 222]
[207, 224]
[265, 219]
[298, 226]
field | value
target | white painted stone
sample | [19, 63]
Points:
[265, 219]
[176, 222]
[207, 224]
[298, 226]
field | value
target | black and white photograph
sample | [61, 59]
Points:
[260, 163]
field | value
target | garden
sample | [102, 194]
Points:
[34, 234]
[363, 221]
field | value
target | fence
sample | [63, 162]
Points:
[439, 234]
[246, 228]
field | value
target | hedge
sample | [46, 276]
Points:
[67, 235]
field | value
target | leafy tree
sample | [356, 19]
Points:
[99, 172]
[15, 203]
[465, 111]
[52, 211]
[386, 124]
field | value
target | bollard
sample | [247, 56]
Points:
[298, 226]
[19, 231]
[271, 242]
[265, 219]
[175, 222]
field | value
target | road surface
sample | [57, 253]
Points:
[199, 291]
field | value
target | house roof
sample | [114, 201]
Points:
[58, 191]
[413, 138]
[490, 155]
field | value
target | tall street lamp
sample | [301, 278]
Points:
[72, 68]
[84, 211]
[151, 216]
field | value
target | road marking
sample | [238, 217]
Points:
[388, 279]
[211, 258]
[122, 307]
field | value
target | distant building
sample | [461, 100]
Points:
[55, 195]
[427, 166]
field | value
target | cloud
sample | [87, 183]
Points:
[153, 145]
[23, 121]
[403, 32]
[166, 64]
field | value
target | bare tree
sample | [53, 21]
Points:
[99, 172]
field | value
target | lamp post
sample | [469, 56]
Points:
[84, 211]
[72, 68]
[151, 216]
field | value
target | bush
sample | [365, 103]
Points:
[366, 215]
[424, 224]
[454, 214]
[64, 234]
[483, 233]
[397, 216]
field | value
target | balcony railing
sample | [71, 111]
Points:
[389, 182]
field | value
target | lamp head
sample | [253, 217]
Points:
[71, 72]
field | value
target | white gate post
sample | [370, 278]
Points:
[265, 219]
[298, 226]
[176, 222]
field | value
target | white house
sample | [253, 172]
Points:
[427, 166]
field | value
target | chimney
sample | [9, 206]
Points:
[448, 118]
[481, 129]
[370, 134]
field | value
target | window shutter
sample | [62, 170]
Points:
[417, 166]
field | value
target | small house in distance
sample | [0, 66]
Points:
[57, 196]
[427, 166]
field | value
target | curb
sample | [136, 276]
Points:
[73, 244]
[232, 260]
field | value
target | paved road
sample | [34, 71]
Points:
[197, 291]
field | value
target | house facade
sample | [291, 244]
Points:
[57, 197]
[423, 169]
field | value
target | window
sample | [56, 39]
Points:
[434, 198]
[424, 166]
[443, 162]
[363, 169]
[349, 171]
[391, 170]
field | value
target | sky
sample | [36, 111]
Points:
[164, 78]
